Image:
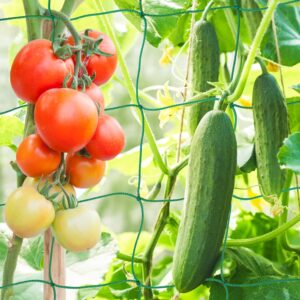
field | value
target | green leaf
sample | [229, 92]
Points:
[28, 291]
[288, 33]
[289, 153]
[121, 290]
[131, 158]
[256, 264]
[263, 288]
[169, 234]
[33, 253]
[251, 225]
[296, 87]
[158, 28]
[126, 241]
[294, 113]
[10, 128]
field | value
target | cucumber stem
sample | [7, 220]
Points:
[262, 65]
[265, 237]
[206, 10]
[252, 53]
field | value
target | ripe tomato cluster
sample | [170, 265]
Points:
[73, 140]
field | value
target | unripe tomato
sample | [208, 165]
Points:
[39, 183]
[102, 66]
[77, 229]
[35, 158]
[94, 92]
[27, 212]
[36, 69]
[66, 119]
[108, 140]
[84, 172]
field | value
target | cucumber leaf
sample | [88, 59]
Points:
[158, 28]
[289, 153]
[293, 106]
[288, 33]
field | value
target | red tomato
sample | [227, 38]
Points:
[36, 69]
[35, 158]
[108, 140]
[95, 94]
[84, 172]
[102, 66]
[66, 119]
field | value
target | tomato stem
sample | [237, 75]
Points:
[33, 32]
[67, 9]
[77, 40]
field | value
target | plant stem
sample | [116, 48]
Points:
[156, 188]
[265, 237]
[126, 257]
[252, 53]
[66, 9]
[262, 65]
[77, 41]
[159, 226]
[32, 8]
[282, 239]
[187, 74]
[34, 32]
[132, 90]
[10, 266]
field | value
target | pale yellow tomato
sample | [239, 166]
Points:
[77, 229]
[28, 213]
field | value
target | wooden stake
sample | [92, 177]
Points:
[58, 268]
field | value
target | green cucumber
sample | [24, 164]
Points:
[271, 128]
[210, 182]
[205, 62]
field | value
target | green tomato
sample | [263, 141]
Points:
[77, 229]
[28, 213]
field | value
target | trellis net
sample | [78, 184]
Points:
[141, 108]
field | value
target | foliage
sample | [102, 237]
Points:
[266, 270]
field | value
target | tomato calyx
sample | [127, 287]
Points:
[91, 46]
[83, 152]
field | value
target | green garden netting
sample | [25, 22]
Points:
[141, 108]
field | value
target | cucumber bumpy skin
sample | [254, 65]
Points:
[271, 128]
[205, 62]
[210, 183]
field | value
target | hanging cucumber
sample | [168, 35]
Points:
[205, 62]
[210, 182]
[271, 128]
